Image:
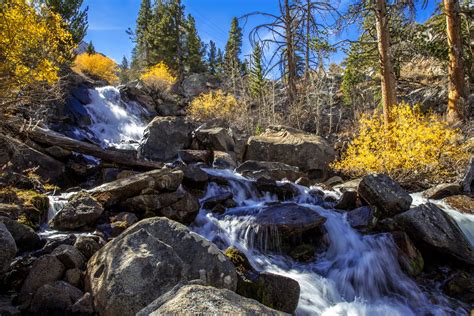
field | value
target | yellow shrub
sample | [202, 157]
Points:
[158, 77]
[98, 66]
[214, 104]
[414, 147]
[33, 44]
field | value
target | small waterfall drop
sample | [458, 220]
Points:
[356, 275]
[115, 123]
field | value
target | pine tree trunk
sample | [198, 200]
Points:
[457, 91]
[290, 54]
[389, 96]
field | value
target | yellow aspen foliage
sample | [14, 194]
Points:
[215, 104]
[33, 45]
[415, 146]
[158, 77]
[97, 66]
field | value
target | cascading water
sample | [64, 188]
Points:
[115, 123]
[357, 274]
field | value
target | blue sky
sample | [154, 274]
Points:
[109, 19]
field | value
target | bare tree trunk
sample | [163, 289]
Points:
[290, 54]
[457, 91]
[389, 96]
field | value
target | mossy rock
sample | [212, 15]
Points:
[239, 260]
[303, 253]
[32, 198]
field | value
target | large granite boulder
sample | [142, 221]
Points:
[7, 248]
[195, 299]
[311, 153]
[149, 259]
[431, 229]
[269, 169]
[81, 210]
[387, 196]
[214, 139]
[196, 84]
[164, 137]
[112, 193]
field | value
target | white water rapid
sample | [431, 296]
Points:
[357, 274]
[115, 123]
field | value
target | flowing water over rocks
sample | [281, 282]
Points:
[355, 274]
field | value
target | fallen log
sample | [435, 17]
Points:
[121, 158]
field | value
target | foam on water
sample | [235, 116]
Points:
[357, 274]
[115, 123]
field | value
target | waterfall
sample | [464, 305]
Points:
[356, 275]
[115, 123]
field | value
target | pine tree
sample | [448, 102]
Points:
[124, 71]
[141, 31]
[90, 48]
[233, 49]
[212, 58]
[219, 62]
[194, 48]
[71, 12]
[256, 76]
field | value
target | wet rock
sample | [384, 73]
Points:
[468, 179]
[164, 137]
[288, 219]
[239, 259]
[409, 257]
[442, 190]
[204, 300]
[461, 286]
[387, 196]
[46, 269]
[194, 177]
[348, 201]
[311, 153]
[8, 248]
[215, 139]
[148, 260]
[303, 253]
[462, 203]
[336, 180]
[25, 237]
[361, 218]
[273, 290]
[7, 308]
[82, 210]
[219, 202]
[223, 160]
[433, 230]
[54, 299]
[87, 245]
[69, 256]
[195, 156]
[272, 170]
[112, 193]
[284, 191]
[84, 306]
[304, 181]
[196, 84]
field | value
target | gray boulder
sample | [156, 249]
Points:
[468, 179]
[87, 245]
[7, 248]
[196, 84]
[164, 137]
[431, 228]
[361, 218]
[70, 256]
[205, 300]
[387, 196]
[149, 259]
[25, 237]
[81, 210]
[311, 153]
[269, 169]
[215, 139]
[112, 193]
[54, 299]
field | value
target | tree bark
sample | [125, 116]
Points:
[389, 94]
[290, 54]
[51, 138]
[456, 94]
